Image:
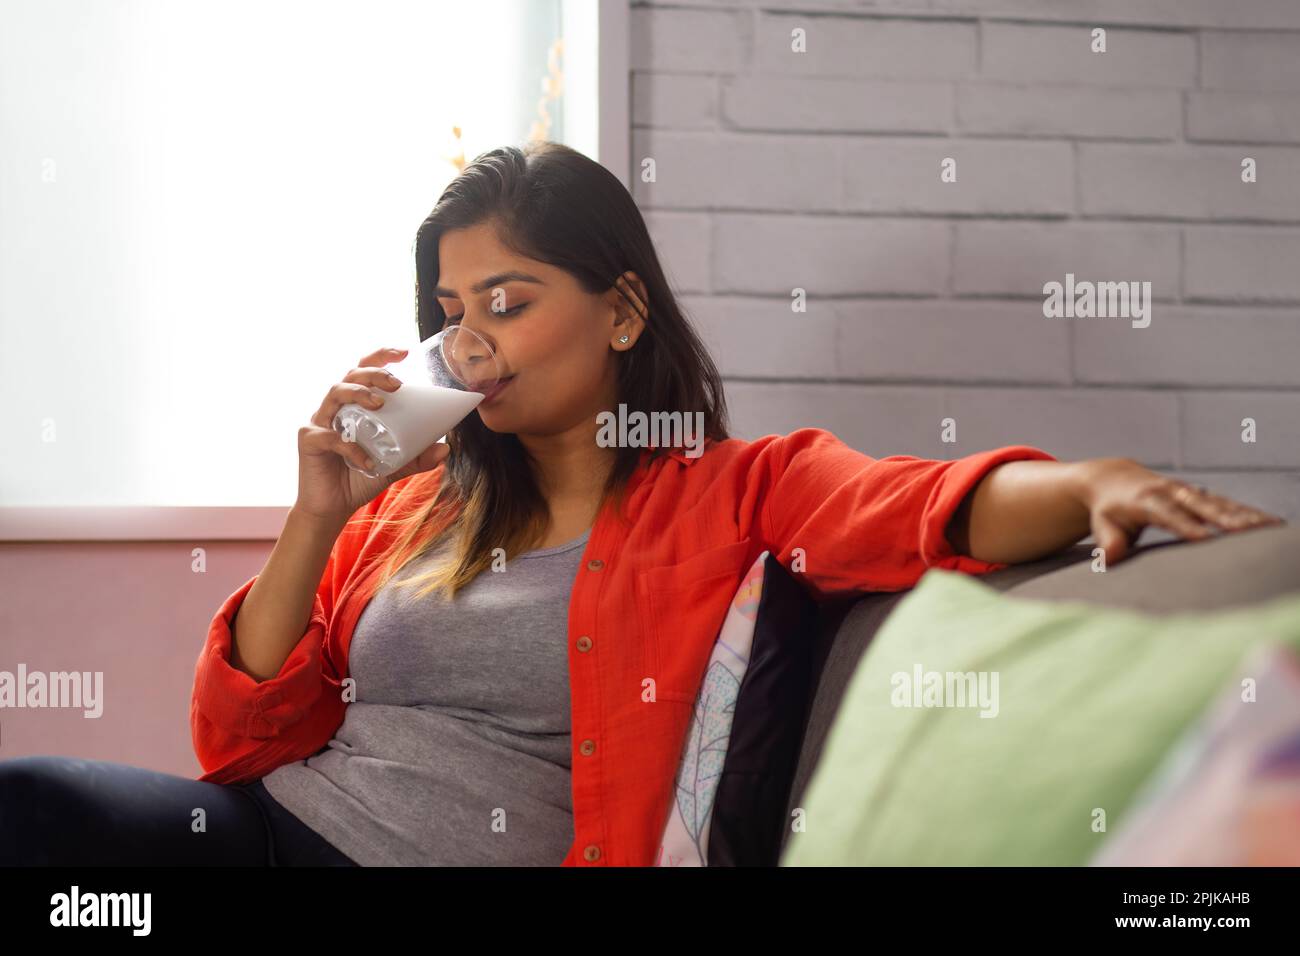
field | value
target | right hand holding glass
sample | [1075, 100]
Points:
[327, 487]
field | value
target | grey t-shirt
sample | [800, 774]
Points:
[456, 750]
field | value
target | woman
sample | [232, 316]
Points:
[490, 656]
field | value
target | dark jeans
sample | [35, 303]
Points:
[64, 811]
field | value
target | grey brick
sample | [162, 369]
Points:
[1201, 182]
[878, 421]
[1250, 61]
[1242, 264]
[948, 340]
[1192, 345]
[828, 104]
[832, 255]
[1063, 54]
[1237, 14]
[1005, 178]
[1017, 258]
[675, 100]
[1212, 430]
[683, 241]
[1231, 14]
[1074, 112]
[1070, 423]
[762, 338]
[690, 41]
[1243, 117]
[736, 171]
[843, 46]
[883, 340]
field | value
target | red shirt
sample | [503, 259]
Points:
[648, 602]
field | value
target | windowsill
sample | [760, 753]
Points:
[38, 524]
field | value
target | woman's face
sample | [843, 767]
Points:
[552, 338]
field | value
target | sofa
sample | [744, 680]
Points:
[1159, 578]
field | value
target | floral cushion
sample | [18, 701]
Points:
[742, 746]
[1229, 793]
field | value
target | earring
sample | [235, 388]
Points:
[623, 339]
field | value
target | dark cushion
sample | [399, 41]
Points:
[749, 822]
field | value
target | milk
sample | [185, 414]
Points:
[410, 420]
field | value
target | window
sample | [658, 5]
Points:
[207, 213]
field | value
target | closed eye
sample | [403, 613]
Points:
[451, 319]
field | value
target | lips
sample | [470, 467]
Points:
[495, 390]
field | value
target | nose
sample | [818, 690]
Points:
[473, 353]
[473, 327]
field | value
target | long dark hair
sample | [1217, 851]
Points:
[553, 204]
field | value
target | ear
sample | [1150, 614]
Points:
[631, 308]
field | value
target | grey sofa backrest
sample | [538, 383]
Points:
[1167, 577]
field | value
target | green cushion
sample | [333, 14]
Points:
[1088, 701]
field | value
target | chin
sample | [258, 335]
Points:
[496, 421]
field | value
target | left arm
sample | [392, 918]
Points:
[1024, 510]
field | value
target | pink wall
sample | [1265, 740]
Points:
[134, 610]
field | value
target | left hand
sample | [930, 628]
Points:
[1123, 497]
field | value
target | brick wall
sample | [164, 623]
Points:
[776, 170]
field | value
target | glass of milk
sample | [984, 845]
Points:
[444, 378]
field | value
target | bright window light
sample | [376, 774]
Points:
[207, 213]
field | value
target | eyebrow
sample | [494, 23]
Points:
[498, 279]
